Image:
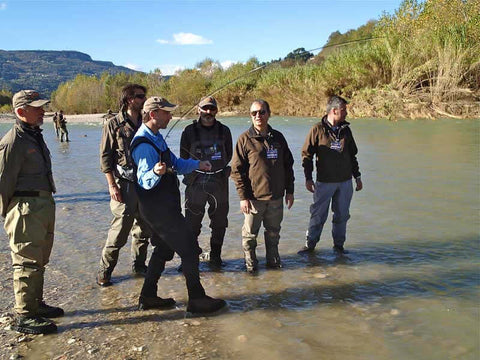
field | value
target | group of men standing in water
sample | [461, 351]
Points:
[141, 173]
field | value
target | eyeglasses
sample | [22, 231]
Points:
[260, 112]
[139, 96]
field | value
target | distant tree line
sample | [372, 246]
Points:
[423, 60]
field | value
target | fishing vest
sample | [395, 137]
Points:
[124, 131]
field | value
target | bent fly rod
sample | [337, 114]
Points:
[257, 69]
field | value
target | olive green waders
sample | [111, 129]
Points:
[30, 224]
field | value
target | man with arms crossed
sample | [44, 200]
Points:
[331, 142]
[26, 203]
[116, 163]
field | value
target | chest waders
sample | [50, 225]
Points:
[161, 209]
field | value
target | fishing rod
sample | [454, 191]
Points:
[257, 69]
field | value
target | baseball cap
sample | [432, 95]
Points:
[209, 100]
[157, 102]
[28, 97]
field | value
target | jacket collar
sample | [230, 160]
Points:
[254, 133]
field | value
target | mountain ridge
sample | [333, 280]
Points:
[44, 70]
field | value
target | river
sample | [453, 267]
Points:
[408, 289]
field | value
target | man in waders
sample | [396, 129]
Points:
[62, 124]
[116, 163]
[208, 139]
[331, 142]
[159, 202]
[262, 169]
[26, 203]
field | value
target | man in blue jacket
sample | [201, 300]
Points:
[159, 204]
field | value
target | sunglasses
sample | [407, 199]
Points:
[260, 112]
[209, 107]
[139, 96]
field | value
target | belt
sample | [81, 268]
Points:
[209, 172]
[32, 193]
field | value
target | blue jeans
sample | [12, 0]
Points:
[340, 194]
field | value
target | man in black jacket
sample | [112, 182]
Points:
[331, 142]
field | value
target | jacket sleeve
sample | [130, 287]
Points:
[228, 144]
[107, 147]
[308, 152]
[10, 166]
[185, 145]
[240, 168]
[288, 164]
[353, 156]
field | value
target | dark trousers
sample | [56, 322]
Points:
[170, 234]
[211, 190]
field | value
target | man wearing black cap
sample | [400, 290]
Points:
[159, 203]
[208, 139]
[26, 203]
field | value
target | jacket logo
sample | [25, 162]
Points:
[31, 151]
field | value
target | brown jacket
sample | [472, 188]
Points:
[262, 168]
[117, 135]
[25, 163]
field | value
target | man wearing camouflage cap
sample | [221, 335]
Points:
[208, 139]
[26, 203]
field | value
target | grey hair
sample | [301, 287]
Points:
[263, 103]
[335, 102]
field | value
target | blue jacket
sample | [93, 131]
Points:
[145, 158]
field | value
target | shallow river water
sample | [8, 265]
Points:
[408, 289]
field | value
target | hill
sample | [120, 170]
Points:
[44, 70]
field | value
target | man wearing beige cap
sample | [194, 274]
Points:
[159, 203]
[26, 203]
[208, 139]
[117, 165]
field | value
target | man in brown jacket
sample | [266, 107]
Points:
[26, 203]
[116, 163]
[262, 169]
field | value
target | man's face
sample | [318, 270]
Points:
[136, 103]
[207, 114]
[340, 114]
[161, 118]
[33, 115]
[259, 116]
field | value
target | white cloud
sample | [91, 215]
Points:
[134, 67]
[170, 69]
[227, 63]
[3, 6]
[186, 39]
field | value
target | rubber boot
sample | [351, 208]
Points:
[251, 262]
[273, 257]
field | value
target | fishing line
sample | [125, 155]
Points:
[257, 69]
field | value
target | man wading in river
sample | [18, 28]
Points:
[116, 163]
[159, 202]
[331, 142]
[26, 203]
[208, 139]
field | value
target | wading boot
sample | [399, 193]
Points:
[139, 270]
[215, 259]
[156, 302]
[251, 262]
[339, 249]
[205, 305]
[104, 278]
[306, 249]
[33, 325]
[48, 311]
[273, 258]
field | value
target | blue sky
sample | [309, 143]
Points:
[170, 35]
